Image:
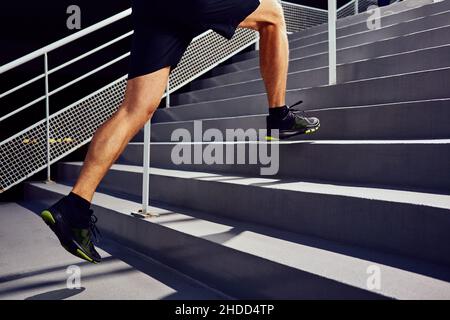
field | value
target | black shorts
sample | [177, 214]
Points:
[163, 29]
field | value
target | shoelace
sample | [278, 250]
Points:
[297, 111]
[94, 230]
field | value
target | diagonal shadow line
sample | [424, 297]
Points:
[61, 294]
[49, 283]
[155, 269]
[225, 236]
[17, 276]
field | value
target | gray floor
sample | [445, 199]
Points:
[33, 266]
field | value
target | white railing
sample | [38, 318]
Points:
[332, 17]
[30, 151]
[60, 133]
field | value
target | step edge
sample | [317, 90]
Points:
[345, 48]
[345, 64]
[361, 22]
[412, 73]
[431, 200]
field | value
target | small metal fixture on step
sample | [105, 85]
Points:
[141, 215]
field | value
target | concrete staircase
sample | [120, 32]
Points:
[369, 191]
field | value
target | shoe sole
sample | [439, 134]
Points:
[309, 131]
[49, 220]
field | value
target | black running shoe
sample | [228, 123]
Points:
[290, 123]
[75, 236]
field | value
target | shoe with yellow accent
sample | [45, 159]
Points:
[75, 234]
[290, 122]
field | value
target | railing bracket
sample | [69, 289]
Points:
[141, 215]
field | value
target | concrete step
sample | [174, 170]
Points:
[401, 121]
[244, 56]
[401, 11]
[408, 223]
[241, 56]
[415, 60]
[299, 267]
[298, 62]
[380, 90]
[421, 60]
[386, 20]
[403, 164]
[368, 36]
[299, 49]
[398, 88]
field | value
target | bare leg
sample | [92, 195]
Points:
[144, 94]
[142, 97]
[268, 19]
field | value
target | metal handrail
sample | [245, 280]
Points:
[332, 17]
[68, 63]
[43, 52]
[53, 92]
[348, 4]
[55, 45]
[306, 7]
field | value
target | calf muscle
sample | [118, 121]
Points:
[142, 97]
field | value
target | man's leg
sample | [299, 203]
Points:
[71, 218]
[142, 97]
[268, 19]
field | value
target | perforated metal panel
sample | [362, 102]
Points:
[300, 17]
[207, 51]
[26, 153]
[347, 10]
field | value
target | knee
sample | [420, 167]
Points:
[138, 114]
[274, 17]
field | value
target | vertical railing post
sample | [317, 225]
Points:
[47, 117]
[168, 94]
[146, 172]
[356, 6]
[332, 41]
[144, 212]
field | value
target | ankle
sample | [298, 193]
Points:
[78, 202]
[279, 112]
[81, 193]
